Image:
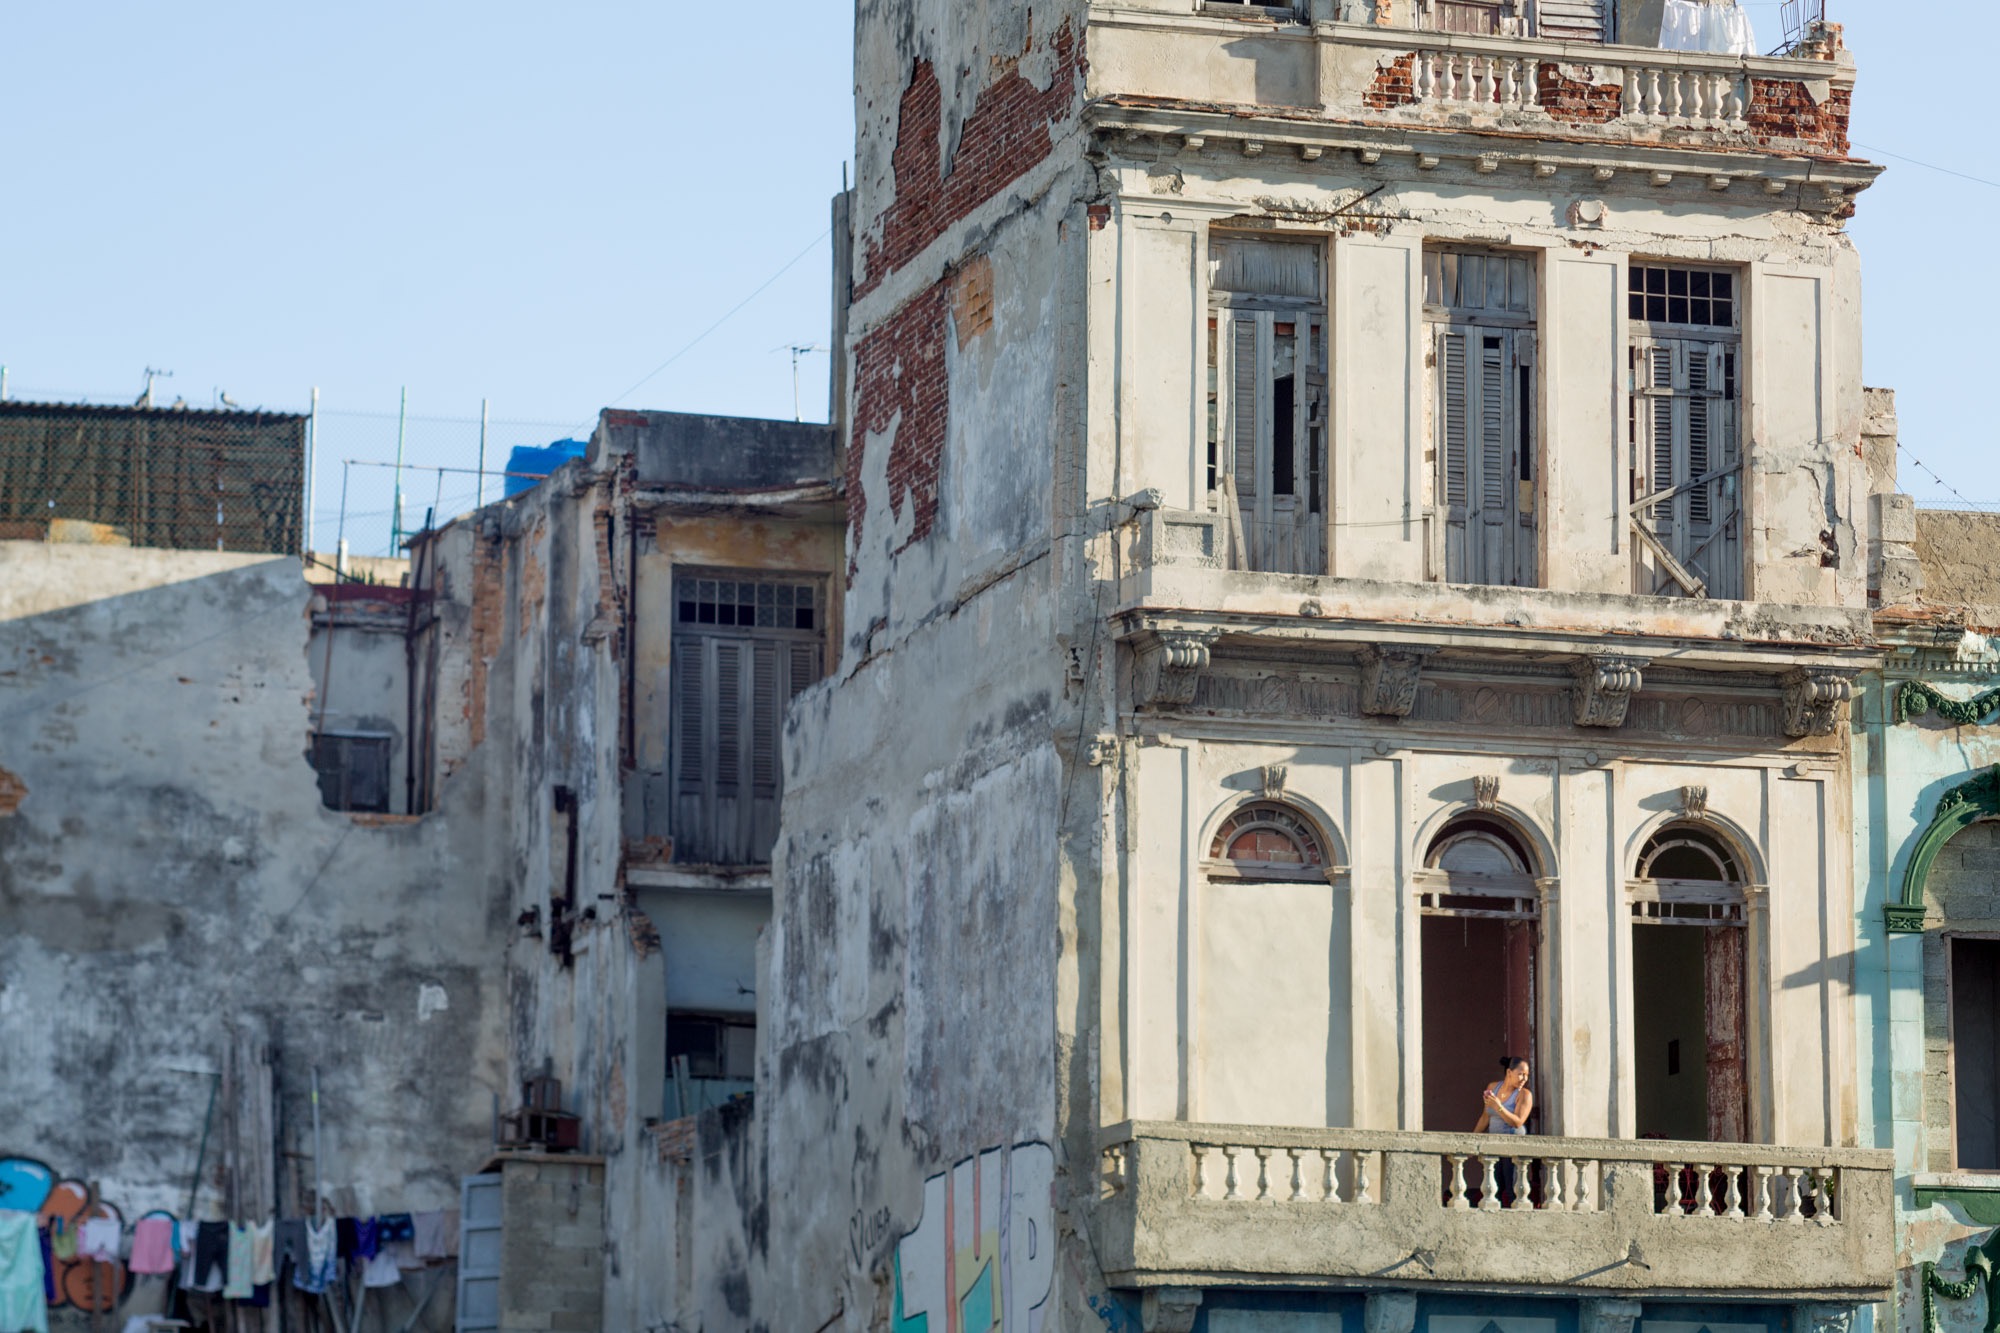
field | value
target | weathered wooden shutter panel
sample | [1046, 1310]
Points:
[1493, 429]
[1243, 404]
[690, 671]
[805, 660]
[767, 708]
[1454, 409]
[1571, 20]
[727, 712]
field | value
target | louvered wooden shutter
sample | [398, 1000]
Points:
[1492, 440]
[1657, 370]
[1243, 405]
[1571, 20]
[728, 717]
[1454, 411]
[690, 666]
[767, 709]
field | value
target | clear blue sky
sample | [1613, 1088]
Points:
[538, 205]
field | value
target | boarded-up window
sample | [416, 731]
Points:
[1480, 308]
[1682, 426]
[353, 770]
[744, 647]
[1266, 401]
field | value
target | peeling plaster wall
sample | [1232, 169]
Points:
[170, 876]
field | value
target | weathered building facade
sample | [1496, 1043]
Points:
[1357, 554]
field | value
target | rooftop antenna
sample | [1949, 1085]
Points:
[797, 352]
[146, 398]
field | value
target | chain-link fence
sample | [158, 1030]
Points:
[189, 480]
[224, 478]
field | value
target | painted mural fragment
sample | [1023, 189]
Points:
[30, 1186]
[982, 1258]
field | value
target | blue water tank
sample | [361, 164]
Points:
[538, 462]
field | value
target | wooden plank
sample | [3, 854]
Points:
[1722, 1001]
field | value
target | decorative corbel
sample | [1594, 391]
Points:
[1486, 791]
[1602, 689]
[1609, 1316]
[1169, 1309]
[1694, 803]
[1168, 665]
[1274, 782]
[1389, 679]
[1813, 696]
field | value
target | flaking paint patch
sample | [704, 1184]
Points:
[13, 791]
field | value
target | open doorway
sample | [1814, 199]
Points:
[1689, 959]
[1480, 936]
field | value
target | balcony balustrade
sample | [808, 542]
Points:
[1187, 1203]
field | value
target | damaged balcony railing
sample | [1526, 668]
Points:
[1532, 1210]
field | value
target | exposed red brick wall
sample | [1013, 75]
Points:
[1783, 109]
[489, 622]
[1574, 102]
[899, 369]
[1012, 127]
[1395, 84]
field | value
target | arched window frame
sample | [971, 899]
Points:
[1723, 900]
[1512, 896]
[1317, 863]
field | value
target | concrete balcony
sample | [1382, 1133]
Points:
[1209, 1205]
[1359, 73]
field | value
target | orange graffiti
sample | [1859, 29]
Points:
[88, 1284]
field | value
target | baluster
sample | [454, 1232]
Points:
[1631, 103]
[1531, 82]
[1229, 1180]
[1426, 75]
[1795, 1204]
[1329, 1187]
[1823, 1196]
[1702, 1192]
[1448, 76]
[1580, 1198]
[1263, 1173]
[1673, 1208]
[1761, 1183]
[1364, 1161]
[1732, 101]
[1489, 1185]
[1733, 1197]
[1200, 1168]
[1553, 1170]
[1673, 109]
[1298, 1176]
[1524, 1183]
[1486, 83]
[1510, 87]
[1458, 1199]
[1654, 101]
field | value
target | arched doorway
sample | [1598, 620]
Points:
[1690, 960]
[1480, 941]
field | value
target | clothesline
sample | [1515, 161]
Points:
[238, 1261]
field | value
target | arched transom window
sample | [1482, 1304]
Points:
[1688, 874]
[1477, 866]
[1269, 839]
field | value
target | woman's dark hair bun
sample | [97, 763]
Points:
[1507, 1062]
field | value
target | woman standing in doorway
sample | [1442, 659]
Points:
[1507, 1104]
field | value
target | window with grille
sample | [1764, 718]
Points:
[353, 769]
[1480, 309]
[744, 646]
[1682, 429]
[1266, 401]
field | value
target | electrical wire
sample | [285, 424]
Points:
[693, 342]
[1932, 473]
[1929, 166]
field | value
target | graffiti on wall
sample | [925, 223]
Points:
[30, 1186]
[982, 1257]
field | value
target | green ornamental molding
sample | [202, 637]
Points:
[1979, 1266]
[1976, 798]
[1914, 699]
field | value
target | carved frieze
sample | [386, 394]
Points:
[1813, 697]
[1486, 791]
[1602, 689]
[1168, 666]
[1389, 679]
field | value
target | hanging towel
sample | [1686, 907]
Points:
[367, 1238]
[152, 1245]
[396, 1226]
[322, 1266]
[263, 1257]
[241, 1258]
[437, 1234]
[381, 1270]
[24, 1308]
[99, 1238]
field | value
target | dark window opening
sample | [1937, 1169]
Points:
[714, 1046]
[1975, 1052]
[353, 771]
[1283, 470]
[1696, 297]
